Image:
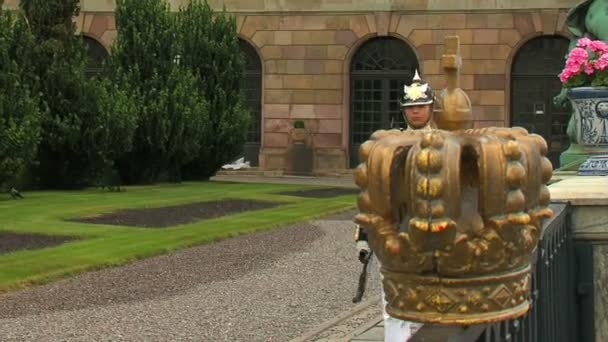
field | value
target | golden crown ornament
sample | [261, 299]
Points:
[453, 218]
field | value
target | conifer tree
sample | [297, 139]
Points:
[71, 104]
[112, 131]
[210, 47]
[19, 106]
[172, 113]
[58, 67]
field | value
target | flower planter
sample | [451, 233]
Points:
[591, 114]
[585, 76]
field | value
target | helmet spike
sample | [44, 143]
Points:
[417, 78]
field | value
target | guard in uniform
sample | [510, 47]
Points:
[417, 108]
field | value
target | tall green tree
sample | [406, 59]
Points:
[111, 133]
[209, 46]
[58, 66]
[19, 106]
[172, 112]
[75, 109]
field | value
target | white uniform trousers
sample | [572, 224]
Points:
[395, 330]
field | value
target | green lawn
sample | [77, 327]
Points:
[104, 245]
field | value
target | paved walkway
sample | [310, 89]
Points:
[361, 324]
[268, 286]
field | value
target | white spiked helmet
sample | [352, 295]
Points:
[417, 93]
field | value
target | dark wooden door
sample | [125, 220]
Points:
[534, 84]
[252, 89]
[379, 70]
[534, 110]
[375, 105]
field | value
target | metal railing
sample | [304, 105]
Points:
[553, 313]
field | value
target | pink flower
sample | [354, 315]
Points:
[598, 46]
[583, 42]
[574, 69]
[602, 62]
[574, 66]
[578, 56]
[588, 68]
[588, 57]
[567, 73]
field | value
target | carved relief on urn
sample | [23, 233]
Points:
[453, 218]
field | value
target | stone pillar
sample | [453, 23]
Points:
[600, 279]
[588, 197]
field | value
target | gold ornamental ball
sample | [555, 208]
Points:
[392, 246]
[365, 149]
[438, 210]
[516, 201]
[547, 170]
[512, 150]
[544, 197]
[429, 160]
[427, 140]
[542, 144]
[360, 176]
[515, 174]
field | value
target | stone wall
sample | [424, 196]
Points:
[307, 58]
[348, 5]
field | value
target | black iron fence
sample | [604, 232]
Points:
[553, 313]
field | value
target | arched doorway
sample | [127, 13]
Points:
[252, 88]
[534, 84]
[97, 54]
[378, 72]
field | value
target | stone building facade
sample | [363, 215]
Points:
[338, 65]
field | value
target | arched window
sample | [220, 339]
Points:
[534, 84]
[97, 56]
[252, 87]
[378, 72]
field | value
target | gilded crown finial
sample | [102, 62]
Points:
[470, 205]
[453, 109]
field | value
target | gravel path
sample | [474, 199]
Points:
[269, 286]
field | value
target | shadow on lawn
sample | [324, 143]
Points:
[169, 216]
[12, 242]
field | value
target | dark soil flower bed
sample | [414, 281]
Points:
[180, 214]
[321, 193]
[11, 242]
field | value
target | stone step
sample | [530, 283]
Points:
[254, 171]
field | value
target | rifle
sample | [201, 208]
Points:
[362, 279]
